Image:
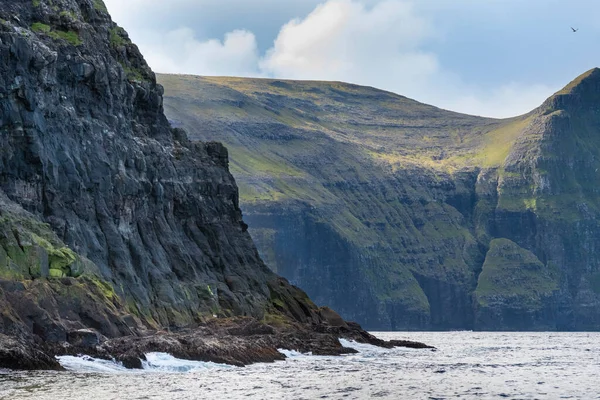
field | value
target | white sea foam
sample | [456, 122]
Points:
[361, 347]
[90, 364]
[155, 362]
[368, 351]
[163, 362]
[365, 349]
[293, 353]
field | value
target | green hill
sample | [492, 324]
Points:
[405, 216]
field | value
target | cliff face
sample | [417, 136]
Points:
[548, 205]
[404, 216]
[110, 218]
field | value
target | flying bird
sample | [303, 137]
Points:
[574, 30]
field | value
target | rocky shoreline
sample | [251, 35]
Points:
[235, 341]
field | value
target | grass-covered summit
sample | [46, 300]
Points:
[405, 216]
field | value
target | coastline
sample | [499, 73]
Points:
[235, 341]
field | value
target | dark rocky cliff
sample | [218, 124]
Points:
[404, 216]
[109, 218]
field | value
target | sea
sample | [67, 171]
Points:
[465, 365]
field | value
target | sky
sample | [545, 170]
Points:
[495, 58]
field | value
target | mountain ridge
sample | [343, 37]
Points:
[410, 203]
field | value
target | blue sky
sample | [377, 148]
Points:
[487, 57]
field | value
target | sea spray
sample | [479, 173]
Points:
[90, 364]
[155, 362]
[163, 362]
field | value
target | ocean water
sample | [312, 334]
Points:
[466, 365]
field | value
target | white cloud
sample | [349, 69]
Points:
[383, 47]
[179, 51]
[343, 40]
[377, 43]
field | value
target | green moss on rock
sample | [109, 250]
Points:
[70, 15]
[29, 250]
[56, 273]
[275, 319]
[70, 36]
[133, 74]
[8, 268]
[104, 287]
[116, 37]
[59, 259]
[100, 6]
[20, 262]
[40, 27]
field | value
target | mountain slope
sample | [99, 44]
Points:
[405, 216]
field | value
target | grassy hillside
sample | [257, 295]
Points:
[388, 208]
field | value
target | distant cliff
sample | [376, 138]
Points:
[404, 216]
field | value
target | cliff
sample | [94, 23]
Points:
[110, 218]
[404, 216]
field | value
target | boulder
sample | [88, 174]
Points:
[85, 338]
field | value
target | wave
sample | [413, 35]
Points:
[366, 350]
[294, 353]
[363, 347]
[90, 364]
[155, 362]
[163, 362]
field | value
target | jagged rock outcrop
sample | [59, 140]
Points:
[405, 216]
[236, 341]
[24, 356]
[111, 219]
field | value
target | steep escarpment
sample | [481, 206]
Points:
[548, 188]
[405, 216]
[111, 219]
